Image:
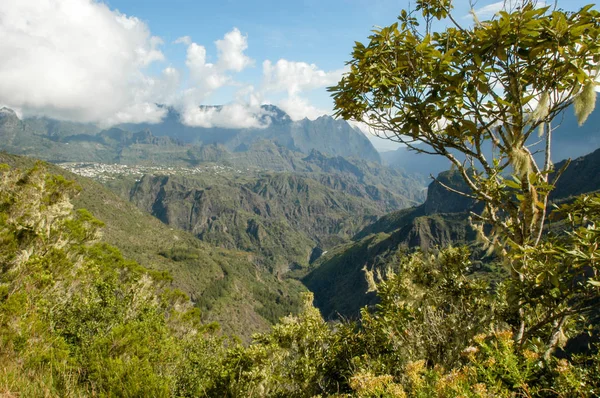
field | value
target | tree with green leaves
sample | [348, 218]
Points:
[485, 97]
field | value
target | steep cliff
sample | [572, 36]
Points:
[282, 216]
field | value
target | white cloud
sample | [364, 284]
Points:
[299, 108]
[75, 59]
[183, 40]
[231, 51]
[234, 115]
[137, 113]
[207, 77]
[489, 10]
[295, 77]
[162, 90]
[79, 60]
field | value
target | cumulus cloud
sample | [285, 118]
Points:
[299, 108]
[235, 115]
[489, 10]
[75, 59]
[231, 51]
[161, 90]
[207, 77]
[204, 75]
[295, 77]
[284, 77]
[80, 60]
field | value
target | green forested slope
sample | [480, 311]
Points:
[286, 218]
[77, 319]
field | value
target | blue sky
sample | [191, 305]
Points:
[111, 61]
[310, 31]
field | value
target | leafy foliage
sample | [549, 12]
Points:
[75, 316]
[78, 319]
[227, 285]
[461, 91]
[439, 330]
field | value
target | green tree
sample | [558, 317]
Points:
[498, 84]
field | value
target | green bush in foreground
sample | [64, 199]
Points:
[76, 318]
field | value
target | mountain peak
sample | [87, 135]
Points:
[7, 112]
[276, 114]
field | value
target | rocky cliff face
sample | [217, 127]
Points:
[338, 280]
[10, 125]
[282, 216]
[582, 175]
[441, 200]
[334, 137]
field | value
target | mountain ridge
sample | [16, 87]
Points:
[49, 139]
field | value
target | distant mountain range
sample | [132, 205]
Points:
[170, 140]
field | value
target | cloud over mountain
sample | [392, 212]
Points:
[233, 116]
[80, 60]
[295, 77]
[76, 60]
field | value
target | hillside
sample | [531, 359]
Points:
[227, 285]
[287, 218]
[338, 278]
[580, 176]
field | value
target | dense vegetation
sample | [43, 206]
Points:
[337, 278]
[281, 217]
[77, 319]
